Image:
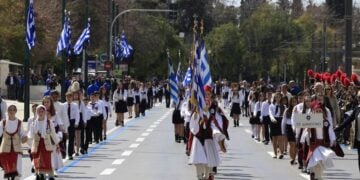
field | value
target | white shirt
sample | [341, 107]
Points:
[119, 95]
[11, 80]
[257, 107]
[11, 126]
[83, 110]
[272, 111]
[225, 89]
[96, 109]
[103, 104]
[61, 114]
[74, 113]
[234, 97]
[143, 94]
[265, 108]
[185, 112]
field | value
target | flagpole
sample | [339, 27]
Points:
[63, 57]
[26, 72]
[86, 83]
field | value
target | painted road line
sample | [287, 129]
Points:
[145, 134]
[156, 122]
[107, 171]
[126, 153]
[271, 153]
[134, 145]
[153, 126]
[248, 131]
[149, 130]
[305, 176]
[118, 161]
[140, 139]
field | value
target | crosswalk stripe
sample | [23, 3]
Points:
[126, 153]
[118, 161]
[107, 171]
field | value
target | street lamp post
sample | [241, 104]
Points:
[127, 11]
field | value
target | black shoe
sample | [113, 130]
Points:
[104, 137]
[281, 156]
[76, 154]
[51, 178]
[32, 170]
[71, 158]
[300, 167]
[82, 151]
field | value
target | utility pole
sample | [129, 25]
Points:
[348, 36]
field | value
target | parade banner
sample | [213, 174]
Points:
[313, 120]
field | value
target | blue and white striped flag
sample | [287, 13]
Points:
[84, 37]
[64, 40]
[187, 78]
[198, 85]
[117, 47]
[30, 26]
[204, 64]
[174, 90]
[126, 47]
[179, 74]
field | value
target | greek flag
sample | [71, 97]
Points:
[204, 64]
[118, 48]
[64, 41]
[173, 84]
[126, 47]
[187, 78]
[30, 26]
[84, 37]
[179, 74]
[198, 85]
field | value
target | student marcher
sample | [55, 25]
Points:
[73, 118]
[11, 148]
[44, 141]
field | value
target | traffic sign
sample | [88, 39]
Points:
[108, 65]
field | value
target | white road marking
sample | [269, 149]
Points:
[140, 139]
[248, 131]
[107, 171]
[156, 122]
[32, 177]
[134, 145]
[241, 124]
[271, 153]
[305, 176]
[118, 161]
[149, 130]
[145, 134]
[153, 126]
[126, 153]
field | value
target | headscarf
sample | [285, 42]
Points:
[38, 127]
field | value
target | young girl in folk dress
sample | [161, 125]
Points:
[10, 149]
[56, 159]
[44, 141]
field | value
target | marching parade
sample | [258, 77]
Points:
[247, 92]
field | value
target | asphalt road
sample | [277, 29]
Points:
[145, 149]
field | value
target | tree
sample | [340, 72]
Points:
[284, 5]
[226, 51]
[297, 8]
[336, 8]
